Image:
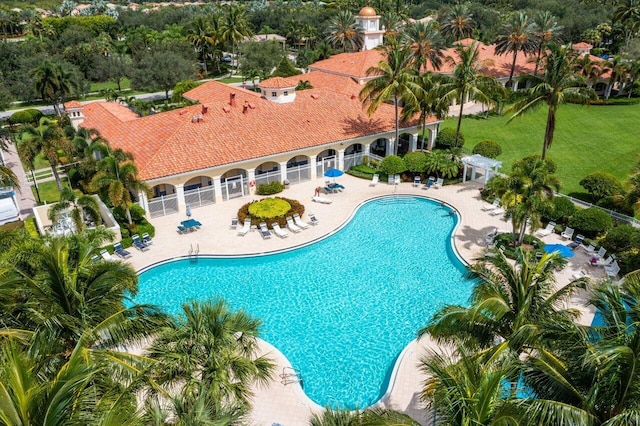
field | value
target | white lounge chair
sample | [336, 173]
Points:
[612, 271]
[298, 221]
[497, 211]
[606, 262]
[146, 238]
[567, 234]
[546, 231]
[279, 231]
[245, 228]
[580, 274]
[264, 231]
[313, 220]
[105, 255]
[600, 254]
[439, 183]
[322, 200]
[292, 226]
[396, 180]
[495, 205]
[590, 249]
[374, 180]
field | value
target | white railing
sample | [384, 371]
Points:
[163, 205]
[199, 197]
[299, 174]
[274, 176]
[615, 215]
[353, 160]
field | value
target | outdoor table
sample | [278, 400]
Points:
[190, 224]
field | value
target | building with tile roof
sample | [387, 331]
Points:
[233, 139]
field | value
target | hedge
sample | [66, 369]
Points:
[447, 137]
[269, 188]
[591, 222]
[296, 207]
[487, 148]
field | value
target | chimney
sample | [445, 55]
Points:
[245, 107]
[204, 109]
[232, 99]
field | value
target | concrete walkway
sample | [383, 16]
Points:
[286, 403]
[24, 197]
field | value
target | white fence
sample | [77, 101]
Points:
[299, 174]
[615, 215]
[353, 160]
[163, 205]
[199, 197]
[275, 176]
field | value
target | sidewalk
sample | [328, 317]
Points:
[24, 197]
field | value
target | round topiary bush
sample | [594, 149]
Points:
[600, 185]
[591, 222]
[392, 165]
[25, 116]
[270, 210]
[488, 148]
[416, 161]
[447, 138]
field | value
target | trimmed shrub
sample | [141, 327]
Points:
[31, 227]
[600, 185]
[561, 210]
[393, 165]
[551, 165]
[621, 238]
[447, 137]
[616, 203]
[487, 148]
[269, 208]
[25, 116]
[629, 261]
[296, 207]
[591, 222]
[269, 188]
[415, 161]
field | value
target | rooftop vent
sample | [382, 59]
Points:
[232, 99]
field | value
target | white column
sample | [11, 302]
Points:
[313, 165]
[413, 143]
[473, 172]
[217, 188]
[464, 172]
[390, 145]
[283, 171]
[367, 149]
[180, 196]
[143, 201]
[340, 165]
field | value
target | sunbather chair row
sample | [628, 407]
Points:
[138, 243]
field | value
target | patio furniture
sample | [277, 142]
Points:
[416, 181]
[322, 200]
[567, 234]
[374, 180]
[298, 221]
[497, 211]
[292, 226]
[489, 207]
[313, 220]
[264, 231]
[137, 243]
[546, 231]
[576, 243]
[439, 182]
[234, 223]
[245, 228]
[147, 239]
[279, 231]
[430, 182]
[120, 252]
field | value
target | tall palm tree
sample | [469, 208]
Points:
[395, 80]
[559, 83]
[203, 36]
[344, 32]
[526, 191]
[510, 306]
[458, 23]
[54, 83]
[425, 43]
[78, 207]
[118, 176]
[590, 70]
[47, 138]
[428, 101]
[468, 82]
[627, 13]
[618, 69]
[546, 30]
[211, 346]
[234, 26]
[516, 35]
[7, 176]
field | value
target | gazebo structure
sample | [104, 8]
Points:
[477, 161]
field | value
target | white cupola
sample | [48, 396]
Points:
[369, 20]
[278, 89]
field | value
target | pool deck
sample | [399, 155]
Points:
[286, 403]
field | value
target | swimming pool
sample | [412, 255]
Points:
[341, 309]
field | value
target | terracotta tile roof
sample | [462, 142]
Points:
[72, 104]
[354, 64]
[582, 45]
[278, 83]
[170, 143]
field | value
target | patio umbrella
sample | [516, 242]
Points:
[333, 173]
[188, 210]
[564, 251]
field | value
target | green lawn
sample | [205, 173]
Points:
[96, 87]
[48, 192]
[587, 139]
[228, 80]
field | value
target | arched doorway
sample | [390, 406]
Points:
[234, 184]
[353, 155]
[326, 160]
[404, 143]
[379, 147]
[298, 169]
[198, 191]
[164, 201]
[268, 172]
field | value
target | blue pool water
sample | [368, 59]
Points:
[342, 309]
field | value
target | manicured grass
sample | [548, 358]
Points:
[125, 84]
[228, 80]
[48, 192]
[587, 139]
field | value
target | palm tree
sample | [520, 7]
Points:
[546, 30]
[525, 192]
[335, 417]
[214, 348]
[468, 82]
[425, 43]
[559, 83]
[516, 35]
[47, 138]
[395, 79]
[510, 306]
[458, 23]
[118, 176]
[590, 70]
[466, 390]
[428, 101]
[79, 207]
[627, 13]
[345, 33]
[7, 176]
[54, 83]
[618, 69]
[203, 37]
[234, 26]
